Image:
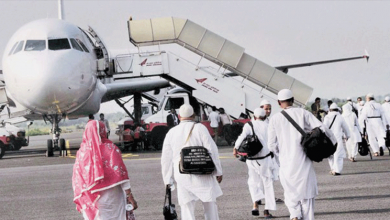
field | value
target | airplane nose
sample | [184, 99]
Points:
[54, 82]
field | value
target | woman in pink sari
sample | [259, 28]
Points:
[100, 180]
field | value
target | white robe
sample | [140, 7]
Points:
[190, 187]
[260, 172]
[339, 128]
[386, 111]
[375, 126]
[296, 172]
[355, 131]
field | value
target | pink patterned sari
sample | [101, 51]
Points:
[98, 166]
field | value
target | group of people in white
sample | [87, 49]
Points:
[289, 163]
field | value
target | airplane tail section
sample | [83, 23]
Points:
[216, 49]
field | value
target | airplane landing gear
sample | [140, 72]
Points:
[56, 143]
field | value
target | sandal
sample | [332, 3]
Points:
[376, 154]
[267, 215]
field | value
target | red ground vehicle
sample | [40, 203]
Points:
[156, 125]
[10, 141]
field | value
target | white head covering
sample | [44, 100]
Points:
[264, 102]
[349, 98]
[259, 112]
[370, 95]
[387, 98]
[285, 94]
[186, 111]
[362, 103]
[333, 106]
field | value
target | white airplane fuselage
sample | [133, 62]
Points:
[49, 67]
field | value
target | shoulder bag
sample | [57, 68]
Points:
[195, 159]
[316, 144]
[251, 145]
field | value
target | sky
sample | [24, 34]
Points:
[275, 32]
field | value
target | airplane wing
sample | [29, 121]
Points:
[118, 90]
[287, 67]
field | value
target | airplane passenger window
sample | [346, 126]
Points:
[13, 47]
[75, 45]
[35, 45]
[19, 47]
[83, 45]
[59, 44]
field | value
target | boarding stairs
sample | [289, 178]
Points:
[237, 94]
[218, 50]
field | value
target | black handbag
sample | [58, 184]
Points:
[363, 147]
[169, 210]
[195, 159]
[251, 145]
[316, 144]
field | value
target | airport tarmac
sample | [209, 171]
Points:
[36, 187]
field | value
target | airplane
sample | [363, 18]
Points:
[53, 70]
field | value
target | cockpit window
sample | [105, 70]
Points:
[59, 44]
[35, 45]
[82, 44]
[75, 45]
[13, 47]
[19, 47]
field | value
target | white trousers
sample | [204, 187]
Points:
[303, 210]
[210, 210]
[352, 148]
[376, 142]
[336, 163]
[261, 187]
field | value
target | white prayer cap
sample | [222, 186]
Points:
[349, 98]
[264, 102]
[186, 111]
[387, 98]
[259, 112]
[362, 102]
[333, 106]
[285, 94]
[370, 95]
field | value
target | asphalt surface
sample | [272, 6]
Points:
[35, 187]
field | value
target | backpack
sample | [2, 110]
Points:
[363, 147]
[316, 144]
[251, 145]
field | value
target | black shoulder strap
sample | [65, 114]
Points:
[251, 124]
[293, 123]
[253, 130]
[332, 122]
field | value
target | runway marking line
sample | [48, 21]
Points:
[159, 158]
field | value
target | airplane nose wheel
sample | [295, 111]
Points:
[56, 143]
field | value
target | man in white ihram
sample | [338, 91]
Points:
[355, 107]
[191, 188]
[336, 123]
[373, 119]
[266, 105]
[260, 173]
[296, 173]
